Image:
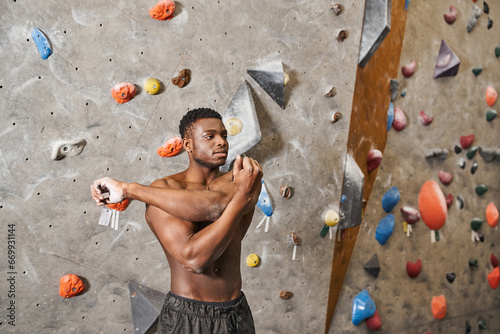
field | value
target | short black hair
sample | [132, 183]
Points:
[192, 116]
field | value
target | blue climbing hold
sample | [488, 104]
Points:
[390, 116]
[42, 43]
[407, 3]
[384, 229]
[343, 198]
[390, 199]
[264, 202]
[363, 307]
[403, 93]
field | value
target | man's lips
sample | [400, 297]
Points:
[224, 153]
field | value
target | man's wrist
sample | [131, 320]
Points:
[127, 190]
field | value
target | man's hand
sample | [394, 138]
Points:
[115, 189]
[247, 174]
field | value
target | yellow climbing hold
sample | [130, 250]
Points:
[233, 126]
[331, 218]
[252, 260]
[286, 78]
[405, 227]
[152, 86]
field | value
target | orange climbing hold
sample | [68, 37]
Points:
[120, 206]
[491, 96]
[432, 205]
[163, 10]
[492, 215]
[439, 307]
[494, 278]
[71, 285]
[123, 92]
[172, 147]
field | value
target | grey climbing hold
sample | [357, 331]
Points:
[489, 153]
[394, 89]
[62, 149]
[440, 153]
[242, 107]
[476, 12]
[447, 62]
[271, 77]
[373, 266]
[352, 188]
[146, 306]
[461, 163]
[376, 26]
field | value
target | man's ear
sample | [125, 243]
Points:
[187, 144]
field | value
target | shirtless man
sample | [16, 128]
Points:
[199, 217]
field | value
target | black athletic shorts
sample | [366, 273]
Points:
[181, 315]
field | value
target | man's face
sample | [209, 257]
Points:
[209, 142]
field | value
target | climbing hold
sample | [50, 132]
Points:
[481, 324]
[489, 154]
[120, 206]
[373, 266]
[440, 153]
[123, 92]
[394, 89]
[451, 277]
[351, 210]
[461, 163]
[494, 278]
[460, 202]
[183, 78]
[331, 218]
[390, 116]
[390, 199]
[491, 115]
[163, 10]
[42, 43]
[481, 189]
[264, 201]
[373, 159]
[468, 327]
[471, 152]
[409, 68]
[473, 168]
[477, 71]
[399, 119]
[492, 215]
[337, 9]
[285, 191]
[424, 119]
[71, 285]
[491, 96]
[363, 307]
[271, 78]
[407, 3]
[410, 215]
[332, 92]
[476, 224]
[486, 8]
[286, 294]
[490, 24]
[335, 117]
[384, 229]
[447, 62]
[286, 78]
[172, 147]
[342, 35]
[473, 263]
[451, 16]
[233, 126]
[457, 149]
[71, 148]
[432, 205]
[494, 261]
[466, 141]
[497, 51]
[152, 86]
[252, 260]
[146, 304]
[374, 322]
[403, 93]
[438, 306]
[295, 238]
[445, 177]
[413, 269]
[471, 23]
[449, 200]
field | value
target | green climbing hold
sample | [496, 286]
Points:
[481, 324]
[491, 115]
[472, 152]
[497, 51]
[324, 231]
[477, 71]
[481, 189]
[436, 234]
[476, 223]
[473, 263]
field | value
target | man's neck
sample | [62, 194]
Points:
[202, 175]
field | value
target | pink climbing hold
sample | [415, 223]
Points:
[374, 322]
[399, 119]
[466, 141]
[424, 119]
[451, 16]
[449, 200]
[373, 159]
[409, 69]
[432, 205]
[410, 215]
[494, 278]
[492, 214]
[491, 96]
[445, 177]
[413, 269]
[494, 261]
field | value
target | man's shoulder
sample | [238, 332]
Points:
[175, 181]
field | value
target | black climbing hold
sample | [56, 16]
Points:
[461, 163]
[468, 327]
[373, 266]
[473, 263]
[486, 8]
[146, 306]
[477, 71]
[473, 169]
[490, 23]
[481, 238]
[458, 149]
[497, 51]
[451, 277]
[481, 324]
[460, 202]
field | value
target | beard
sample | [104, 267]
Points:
[207, 164]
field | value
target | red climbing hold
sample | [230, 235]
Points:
[466, 141]
[120, 206]
[163, 10]
[71, 285]
[451, 16]
[432, 205]
[399, 122]
[409, 69]
[492, 215]
[449, 200]
[494, 278]
[494, 261]
[413, 269]
[491, 96]
[439, 308]
[424, 119]
[373, 159]
[374, 322]
[411, 215]
[445, 177]
[172, 147]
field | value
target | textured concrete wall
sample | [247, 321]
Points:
[98, 44]
[458, 106]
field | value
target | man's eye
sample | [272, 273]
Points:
[209, 137]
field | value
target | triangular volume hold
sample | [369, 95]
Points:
[373, 266]
[271, 78]
[146, 306]
[447, 62]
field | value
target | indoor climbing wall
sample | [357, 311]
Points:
[426, 256]
[62, 128]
